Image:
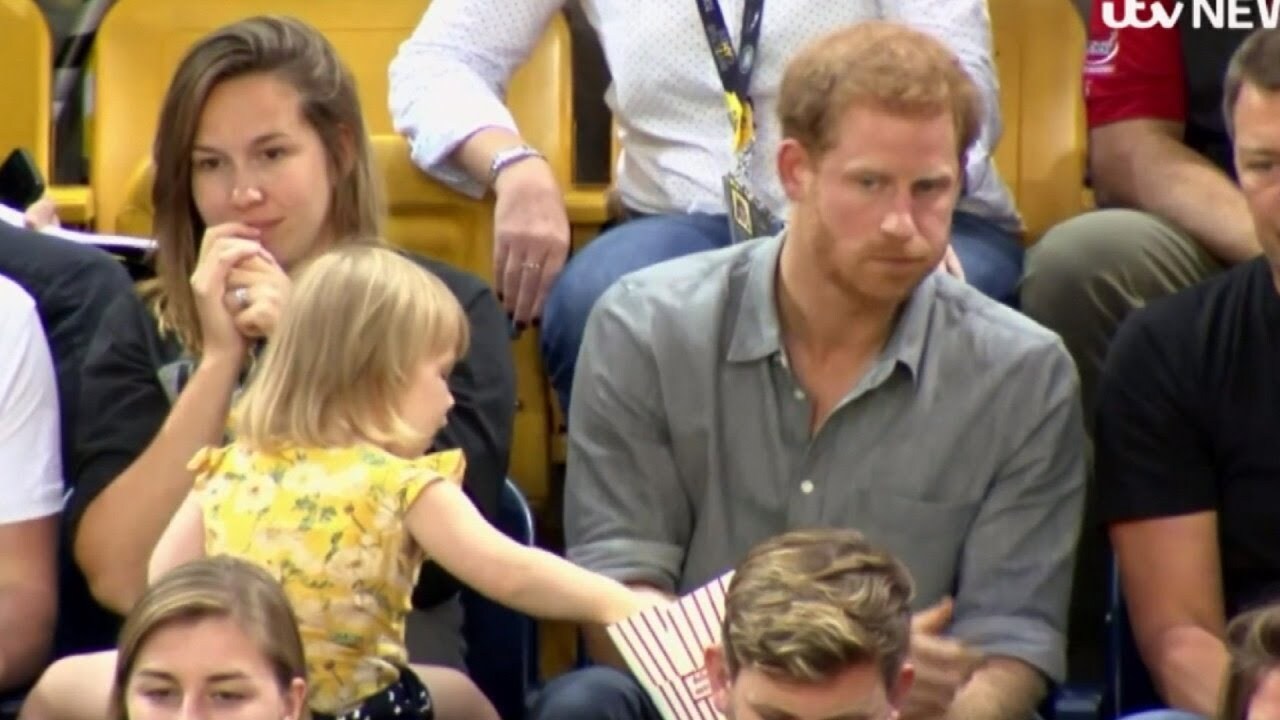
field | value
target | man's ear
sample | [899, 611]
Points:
[795, 169]
[718, 676]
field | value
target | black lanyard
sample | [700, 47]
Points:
[734, 66]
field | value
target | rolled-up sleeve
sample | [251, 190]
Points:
[448, 80]
[627, 513]
[1016, 568]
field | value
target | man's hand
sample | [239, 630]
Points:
[942, 666]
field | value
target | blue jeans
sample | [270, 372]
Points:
[593, 693]
[992, 260]
[1163, 715]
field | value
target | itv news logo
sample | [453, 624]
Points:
[1221, 14]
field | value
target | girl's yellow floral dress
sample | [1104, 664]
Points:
[329, 525]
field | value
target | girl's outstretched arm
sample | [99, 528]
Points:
[453, 533]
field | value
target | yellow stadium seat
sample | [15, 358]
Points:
[1039, 48]
[424, 216]
[26, 82]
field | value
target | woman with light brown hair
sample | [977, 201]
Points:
[261, 162]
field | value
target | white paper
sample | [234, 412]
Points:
[664, 647]
[14, 217]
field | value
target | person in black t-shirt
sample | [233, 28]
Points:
[262, 161]
[1188, 427]
[1169, 216]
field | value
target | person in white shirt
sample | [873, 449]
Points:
[678, 143]
[31, 489]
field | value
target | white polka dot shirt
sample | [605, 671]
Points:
[448, 79]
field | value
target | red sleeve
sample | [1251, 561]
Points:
[1133, 72]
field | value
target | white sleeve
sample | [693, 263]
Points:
[448, 80]
[31, 484]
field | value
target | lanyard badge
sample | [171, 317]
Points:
[748, 217]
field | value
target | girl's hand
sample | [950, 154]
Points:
[633, 601]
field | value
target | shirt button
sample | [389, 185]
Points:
[798, 394]
[806, 486]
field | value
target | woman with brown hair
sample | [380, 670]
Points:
[261, 162]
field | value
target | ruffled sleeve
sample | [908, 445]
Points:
[204, 463]
[448, 465]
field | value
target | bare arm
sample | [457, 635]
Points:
[181, 542]
[121, 527]
[1144, 164]
[1171, 574]
[28, 598]
[1003, 688]
[121, 524]
[445, 523]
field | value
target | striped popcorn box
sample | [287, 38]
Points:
[664, 647]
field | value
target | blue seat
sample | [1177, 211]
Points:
[502, 644]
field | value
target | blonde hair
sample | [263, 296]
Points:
[809, 604]
[1253, 640]
[215, 587]
[294, 53]
[884, 65]
[360, 321]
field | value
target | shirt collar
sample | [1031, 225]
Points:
[756, 330]
[757, 335]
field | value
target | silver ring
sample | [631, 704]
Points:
[530, 265]
[241, 295]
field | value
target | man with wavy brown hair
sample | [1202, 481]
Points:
[817, 624]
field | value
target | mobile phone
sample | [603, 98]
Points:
[21, 183]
